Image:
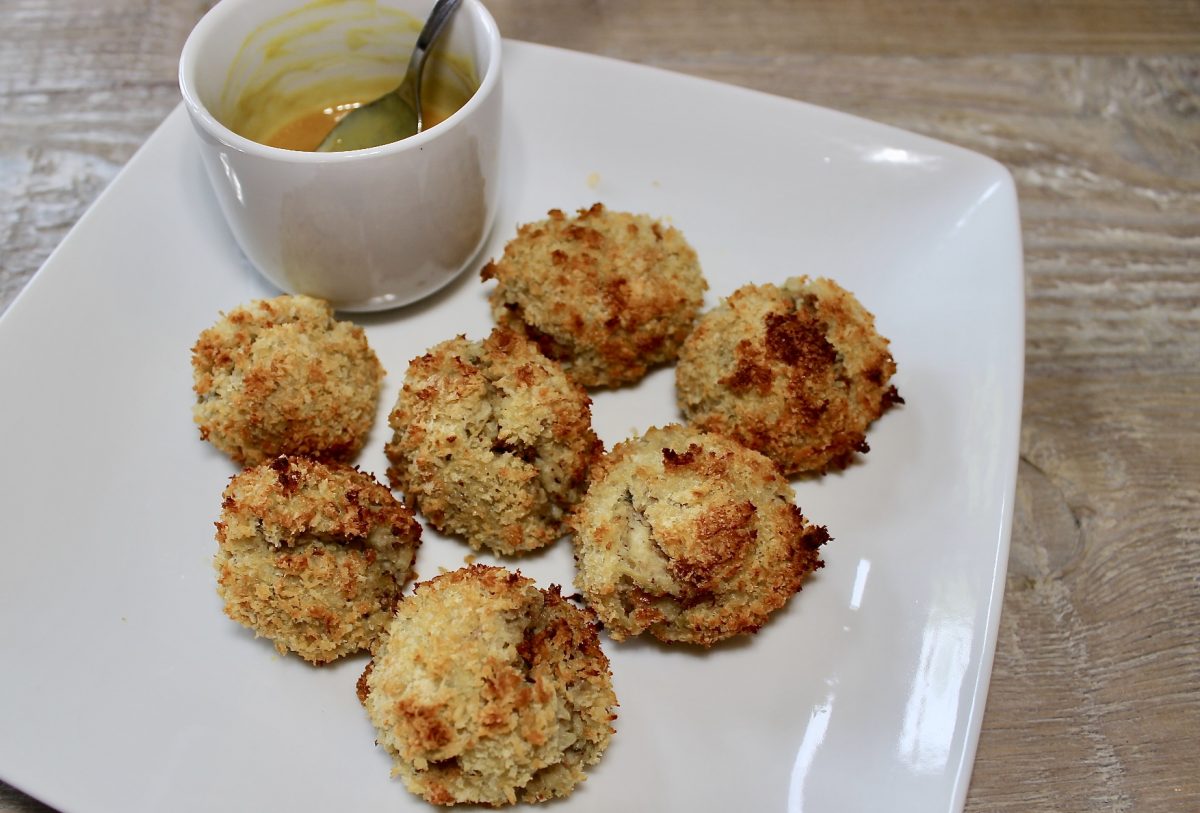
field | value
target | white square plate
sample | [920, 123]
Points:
[124, 688]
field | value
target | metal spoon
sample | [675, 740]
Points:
[397, 114]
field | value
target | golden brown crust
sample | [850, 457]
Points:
[607, 294]
[487, 690]
[492, 441]
[282, 376]
[691, 537]
[796, 372]
[313, 556]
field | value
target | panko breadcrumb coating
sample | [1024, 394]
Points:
[488, 690]
[796, 371]
[282, 376]
[608, 294]
[313, 556]
[493, 442]
[691, 537]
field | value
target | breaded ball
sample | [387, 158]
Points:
[608, 294]
[690, 536]
[493, 442]
[282, 376]
[487, 690]
[796, 371]
[313, 556]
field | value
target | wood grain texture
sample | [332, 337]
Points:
[1094, 105]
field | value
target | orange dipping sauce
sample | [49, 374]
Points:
[308, 128]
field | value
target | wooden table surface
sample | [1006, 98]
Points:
[1094, 105]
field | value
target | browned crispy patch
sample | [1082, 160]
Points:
[361, 688]
[674, 458]
[723, 533]
[642, 611]
[798, 339]
[426, 729]
[814, 536]
[748, 374]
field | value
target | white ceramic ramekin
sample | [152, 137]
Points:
[369, 229]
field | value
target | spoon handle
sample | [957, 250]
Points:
[443, 10]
